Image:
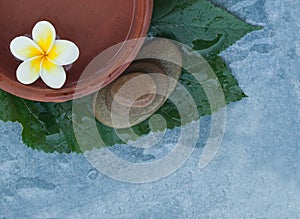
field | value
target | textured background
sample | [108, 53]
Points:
[256, 173]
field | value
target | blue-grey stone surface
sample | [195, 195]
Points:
[256, 173]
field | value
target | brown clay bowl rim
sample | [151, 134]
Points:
[139, 27]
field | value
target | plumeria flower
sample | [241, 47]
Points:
[43, 56]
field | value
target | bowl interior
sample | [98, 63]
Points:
[93, 25]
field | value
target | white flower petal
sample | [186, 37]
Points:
[53, 75]
[64, 52]
[44, 35]
[24, 48]
[29, 71]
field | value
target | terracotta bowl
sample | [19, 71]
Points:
[93, 25]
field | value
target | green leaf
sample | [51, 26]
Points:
[160, 9]
[46, 126]
[196, 23]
